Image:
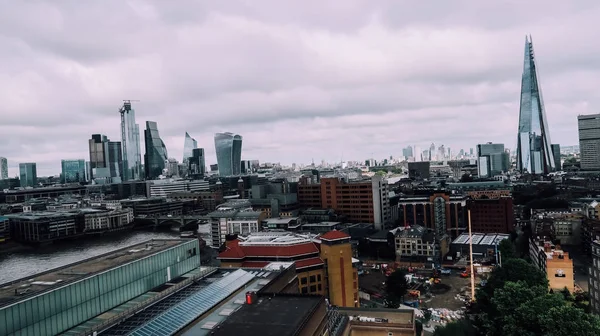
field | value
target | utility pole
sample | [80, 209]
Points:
[471, 256]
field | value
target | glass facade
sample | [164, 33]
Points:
[72, 171]
[3, 168]
[115, 159]
[188, 146]
[228, 147]
[58, 310]
[98, 151]
[156, 157]
[492, 159]
[534, 152]
[197, 164]
[27, 174]
[132, 158]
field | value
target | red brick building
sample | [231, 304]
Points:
[491, 215]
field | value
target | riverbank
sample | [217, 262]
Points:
[13, 247]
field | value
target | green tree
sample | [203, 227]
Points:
[396, 287]
[507, 250]
[570, 321]
[528, 319]
[456, 328]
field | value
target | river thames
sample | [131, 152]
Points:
[25, 263]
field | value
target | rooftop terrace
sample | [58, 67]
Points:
[21, 289]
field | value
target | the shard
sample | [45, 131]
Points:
[534, 149]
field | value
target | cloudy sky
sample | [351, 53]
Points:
[300, 80]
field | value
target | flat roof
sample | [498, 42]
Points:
[54, 278]
[276, 315]
[481, 238]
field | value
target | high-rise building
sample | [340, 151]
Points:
[188, 146]
[556, 156]
[130, 140]
[3, 168]
[407, 152]
[492, 159]
[28, 174]
[156, 158]
[589, 141]
[534, 151]
[229, 153]
[106, 159]
[72, 171]
[197, 164]
[115, 160]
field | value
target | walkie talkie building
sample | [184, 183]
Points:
[534, 148]
[228, 147]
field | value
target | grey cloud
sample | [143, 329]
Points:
[299, 80]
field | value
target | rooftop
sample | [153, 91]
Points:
[481, 238]
[277, 315]
[239, 250]
[36, 215]
[24, 288]
[334, 235]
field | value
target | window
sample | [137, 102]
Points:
[303, 280]
[319, 287]
[313, 278]
[304, 290]
[318, 277]
[313, 288]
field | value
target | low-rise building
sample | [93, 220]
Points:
[339, 280]
[417, 244]
[484, 245]
[554, 262]
[106, 220]
[282, 223]
[492, 215]
[40, 227]
[234, 217]
[4, 229]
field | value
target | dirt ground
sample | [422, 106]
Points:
[448, 300]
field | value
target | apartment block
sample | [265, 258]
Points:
[553, 261]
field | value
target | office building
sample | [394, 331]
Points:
[407, 152]
[362, 201]
[197, 164]
[156, 158]
[234, 217]
[554, 262]
[72, 171]
[484, 245]
[492, 215]
[28, 174]
[115, 161]
[130, 140]
[418, 170]
[106, 159]
[492, 159]
[3, 168]
[534, 151]
[55, 301]
[589, 141]
[189, 145]
[228, 147]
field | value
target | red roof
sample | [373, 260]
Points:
[308, 262]
[232, 251]
[236, 251]
[334, 235]
[255, 264]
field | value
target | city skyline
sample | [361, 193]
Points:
[277, 76]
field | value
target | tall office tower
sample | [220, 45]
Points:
[556, 156]
[130, 141]
[534, 152]
[407, 152]
[197, 164]
[188, 146]
[229, 153]
[115, 160]
[99, 156]
[156, 158]
[418, 154]
[72, 171]
[589, 141]
[27, 174]
[492, 159]
[432, 156]
[3, 168]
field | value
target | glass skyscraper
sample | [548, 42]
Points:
[72, 171]
[188, 146]
[28, 174]
[156, 157]
[197, 164]
[3, 168]
[115, 159]
[534, 150]
[228, 147]
[130, 140]
[492, 159]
